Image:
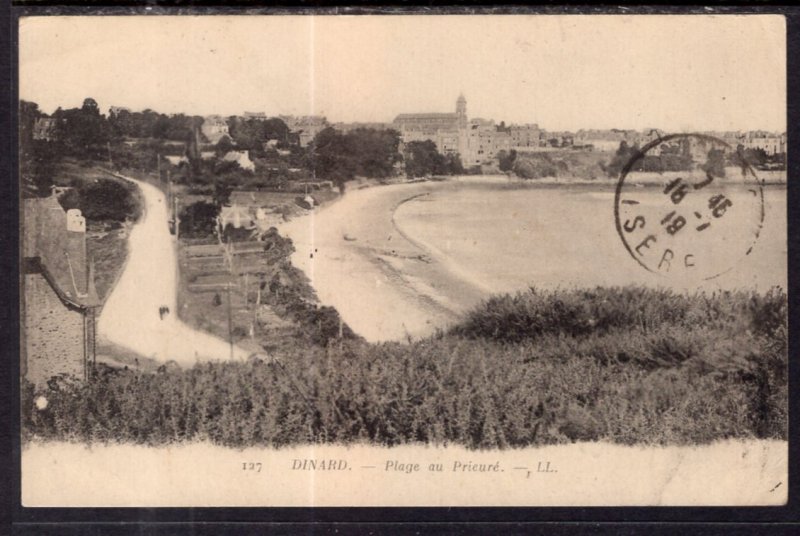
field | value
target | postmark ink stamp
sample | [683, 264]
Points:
[682, 210]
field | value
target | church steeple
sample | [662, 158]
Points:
[461, 109]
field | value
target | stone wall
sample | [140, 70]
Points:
[54, 336]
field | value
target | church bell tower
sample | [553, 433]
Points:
[461, 110]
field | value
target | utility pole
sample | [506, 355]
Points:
[169, 188]
[176, 219]
[230, 283]
[258, 304]
[230, 320]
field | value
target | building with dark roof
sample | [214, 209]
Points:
[59, 299]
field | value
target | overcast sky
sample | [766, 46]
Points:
[677, 73]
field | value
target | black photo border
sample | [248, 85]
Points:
[382, 520]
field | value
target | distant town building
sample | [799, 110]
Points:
[477, 141]
[251, 210]
[602, 139]
[44, 129]
[59, 298]
[349, 127]
[305, 126]
[116, 110]
[558, 139]
[214, 128]
[484, 141]
[770, 143]
[242, 158]
[261, 116]
[527, 135]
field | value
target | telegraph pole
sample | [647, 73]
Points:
[230, 320]
[230, 283]
[176, 219]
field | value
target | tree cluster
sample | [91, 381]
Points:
[423, 159]
[250, 134]
[198, 220]
[506, 160]
[78, 132]
[756, 157]
[150, 124]
[676, 158]
[103, 200]
[364, 152]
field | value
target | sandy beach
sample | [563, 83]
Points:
[352, 251]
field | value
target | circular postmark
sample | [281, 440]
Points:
[688, 205]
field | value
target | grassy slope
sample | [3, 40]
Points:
[626, 365]
[105, 241]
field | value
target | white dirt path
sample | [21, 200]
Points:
[130, 316]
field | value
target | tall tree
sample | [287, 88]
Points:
[83, 130]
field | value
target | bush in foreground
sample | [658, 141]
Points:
[627, 365]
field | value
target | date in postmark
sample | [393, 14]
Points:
[682, 210]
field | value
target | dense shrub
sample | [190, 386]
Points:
[110, 200]
[627, 365]
[198, 220]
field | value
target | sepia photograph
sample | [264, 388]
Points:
[403, 260]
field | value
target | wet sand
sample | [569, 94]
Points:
[385, 286]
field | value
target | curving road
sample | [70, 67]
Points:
[130, 316]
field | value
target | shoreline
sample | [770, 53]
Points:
[352, 247]
[358, 247]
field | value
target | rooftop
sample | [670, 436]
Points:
[54, 242]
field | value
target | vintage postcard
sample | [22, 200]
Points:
[403, 260]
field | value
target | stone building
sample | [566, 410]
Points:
[527, 135]
[44, 129]
[305, 126]
[476, 141]
[433, 126]
[770, 143]
[483, 142]
[214, 128]
[59, 299]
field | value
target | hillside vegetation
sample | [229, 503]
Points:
[585, 165]
[627, 365]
